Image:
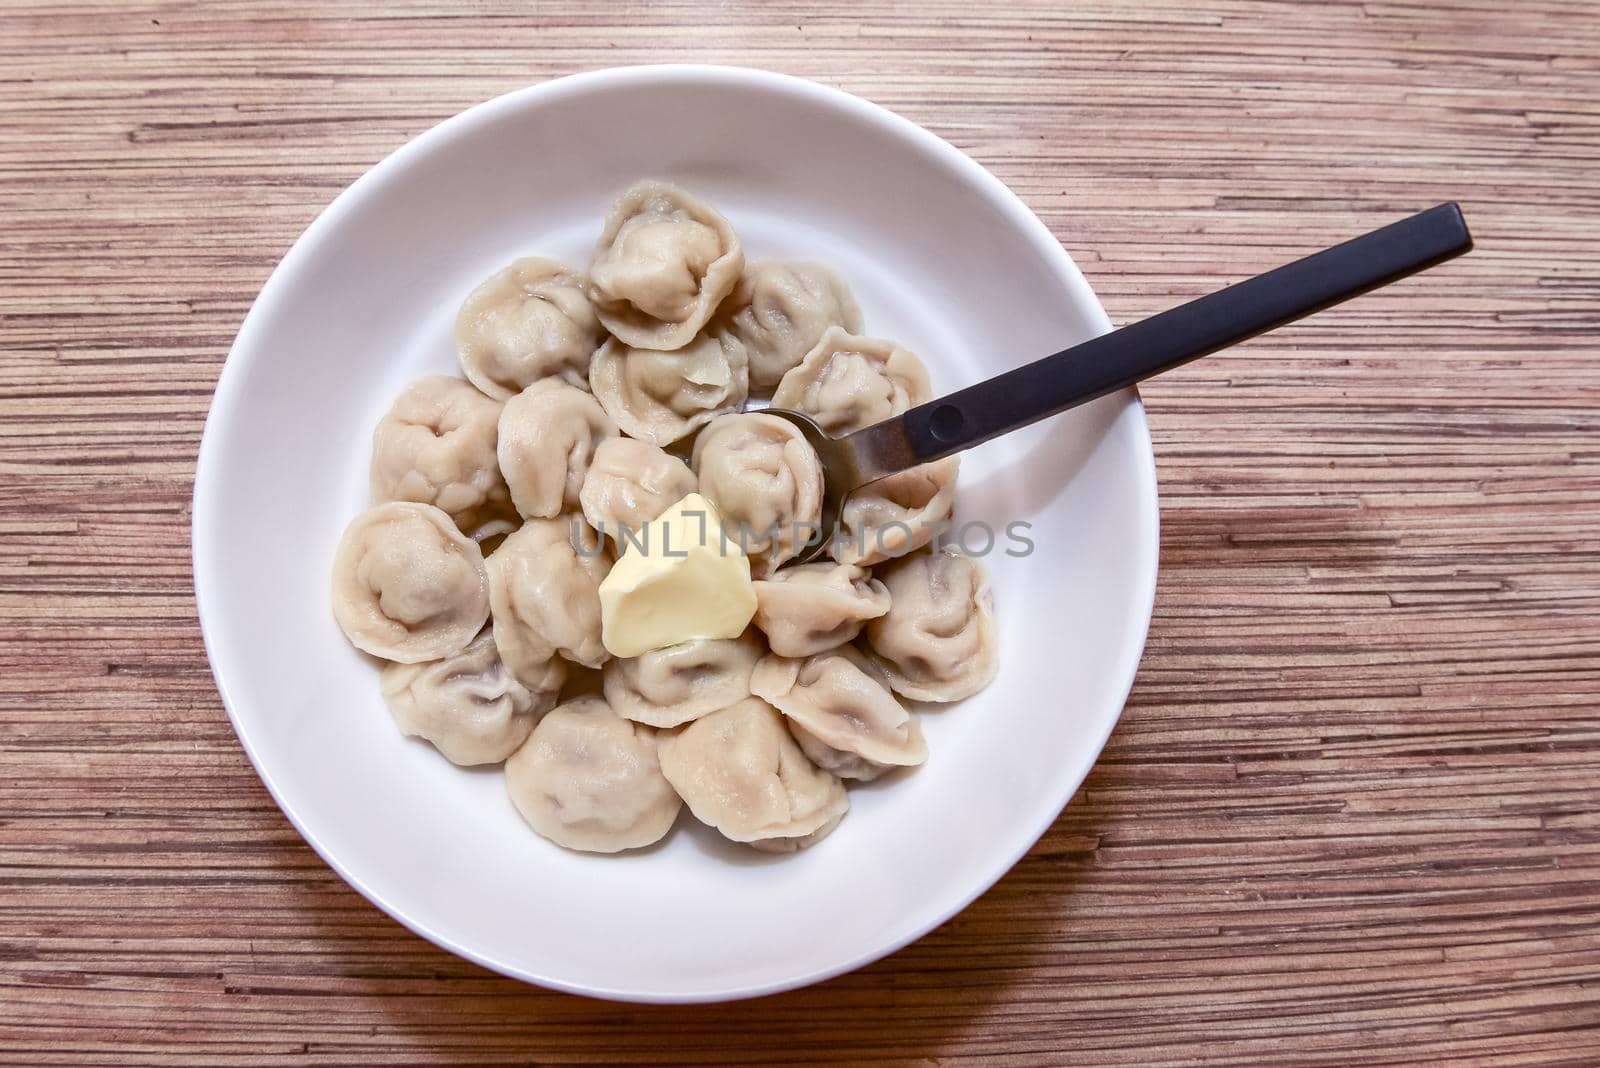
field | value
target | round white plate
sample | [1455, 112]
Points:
[941, 256]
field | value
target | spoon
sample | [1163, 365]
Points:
[1116, 360]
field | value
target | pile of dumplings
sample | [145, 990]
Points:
[594, 401]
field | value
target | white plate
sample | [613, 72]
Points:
[941, 256]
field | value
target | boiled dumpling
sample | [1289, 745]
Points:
[544, 584]
[436, 446]
[630, 483]
[797, 842]
[407, 585]
[531, 321]
[841, 711]
[897, 515]
[588, 779]
[548, 434]
[664, 262]
[781, 309]
[469, 706]
[766, 481]
[812, 608]
[661, 397]
[671, 686]
[848, 382]
[740, 771]
[937, 642]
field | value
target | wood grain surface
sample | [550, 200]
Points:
[1352, 812]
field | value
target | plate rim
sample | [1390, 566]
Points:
[226, 397]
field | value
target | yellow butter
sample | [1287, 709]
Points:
[679, 578]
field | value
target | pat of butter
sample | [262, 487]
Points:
[680, 577]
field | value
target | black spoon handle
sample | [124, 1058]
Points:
[1112, 361]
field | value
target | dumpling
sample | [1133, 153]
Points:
[548, 434]
[848, 382]
[630, 483]
[531, 321]
[671, 686]
[896, 515]
[437, 446]
[937, 641]
[766, 481]
[661, 397]
[588, 779]
[797, 842]
[841, 711]
[664, 262]
[812, 608]
[407, 585]
[546, 595]
[781, 309]
[468, 705]
[740, 771]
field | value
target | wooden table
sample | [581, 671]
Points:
[1351, 813]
